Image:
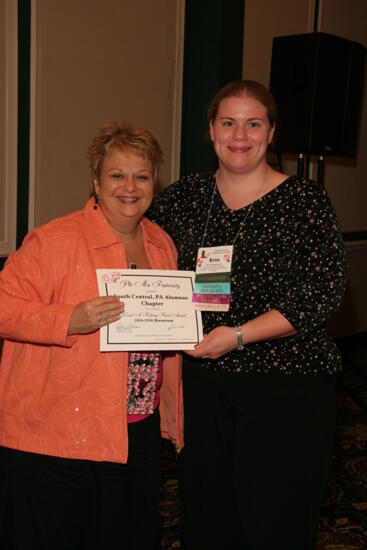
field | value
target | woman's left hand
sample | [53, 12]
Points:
[218, 342]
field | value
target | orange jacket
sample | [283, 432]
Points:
[59, 395]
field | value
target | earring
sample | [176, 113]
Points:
[95, 202]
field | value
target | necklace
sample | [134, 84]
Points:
[131, 249]
[242, 224]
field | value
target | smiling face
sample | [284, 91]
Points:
[241, 133]
[125, 188]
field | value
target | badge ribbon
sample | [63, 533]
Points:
[212, 287]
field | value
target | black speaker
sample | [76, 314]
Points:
[317, 82]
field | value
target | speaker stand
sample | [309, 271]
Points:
[300, 165]
[320, 170]
[303, 168]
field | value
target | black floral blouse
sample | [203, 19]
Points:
[289, 256]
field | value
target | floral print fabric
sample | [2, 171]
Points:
[289, 256]
[142, 384]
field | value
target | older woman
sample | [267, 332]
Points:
[79, 455]
[259, 390]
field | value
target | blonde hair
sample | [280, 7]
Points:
[122, 136]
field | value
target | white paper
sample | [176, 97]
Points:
[158, 310]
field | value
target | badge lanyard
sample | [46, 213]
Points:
[212, 288]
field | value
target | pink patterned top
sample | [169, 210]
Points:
[144, 381]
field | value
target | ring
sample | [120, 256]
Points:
[102, 319]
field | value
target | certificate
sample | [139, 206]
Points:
[158, 310]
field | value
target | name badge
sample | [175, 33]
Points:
[212, 287]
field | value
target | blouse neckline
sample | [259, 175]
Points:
[269, 196]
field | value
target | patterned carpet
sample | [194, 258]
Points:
[343, 523]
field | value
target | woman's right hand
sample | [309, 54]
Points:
[90, 316]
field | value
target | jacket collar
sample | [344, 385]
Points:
[100, 234]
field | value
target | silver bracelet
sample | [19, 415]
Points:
[240, 345]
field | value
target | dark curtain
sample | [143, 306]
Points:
[212, 57]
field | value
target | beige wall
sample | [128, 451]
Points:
[352, 316]
[8, 125]
[265, 19]
[345, 179]
[94, 62]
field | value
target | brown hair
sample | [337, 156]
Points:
[251, 88]
[122, 136]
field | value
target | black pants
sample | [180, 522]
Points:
[52, 503]
[254, 468]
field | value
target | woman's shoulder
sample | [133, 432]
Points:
[303, 190]
[67, 224]
[195, 182]
[299, 198]
[196, 178]
[309, 201]
[51, 241]
[58, 231]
